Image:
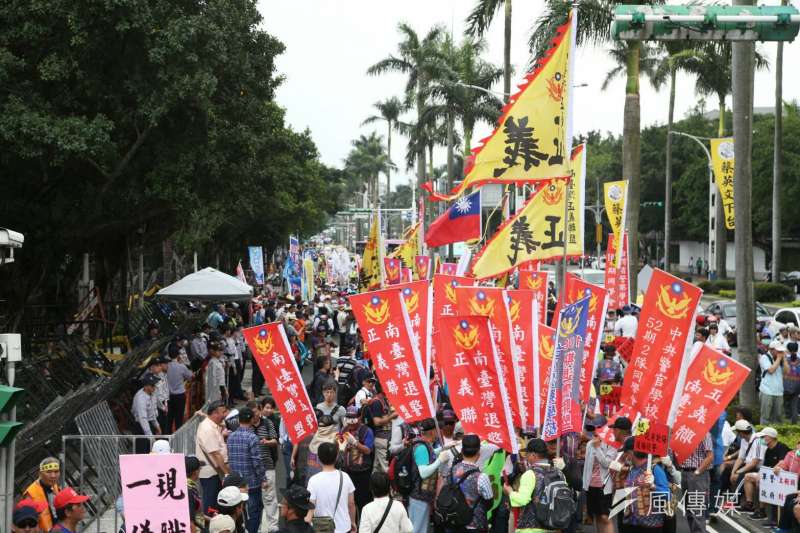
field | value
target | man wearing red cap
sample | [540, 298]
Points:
[69, 510]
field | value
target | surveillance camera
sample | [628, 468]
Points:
[11, 239]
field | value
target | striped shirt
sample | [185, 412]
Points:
[266, 430]
[697, 457]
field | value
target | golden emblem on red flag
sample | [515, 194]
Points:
[673, 307]
[411, 299]
[377, 311]
[466, 336]
[263, 342]
[481, 304]
[717, 373]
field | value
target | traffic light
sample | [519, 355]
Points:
[8, 398]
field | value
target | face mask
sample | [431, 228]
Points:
[350, 421]
[763, 441]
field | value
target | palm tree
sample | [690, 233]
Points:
[676, 53]
[367, 160]
[777, 169]
[594, 24]
[478, 23]
[712, 68]
[420, 59]
[389, 111]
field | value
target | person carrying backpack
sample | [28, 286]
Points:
[463, 502]
[425, 476]
[547, 502]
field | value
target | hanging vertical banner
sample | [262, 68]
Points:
[722, 162]
[615, 195]
[273, 355]
[371, 273]
[444, 294]
[423, 267]
[475, 380]
[543, 364]
[493, 303]
[533, 138]
[392, 266]
[256, 254]
[294, 249]
[562, 413]
[409, 249]
[417, 299]
[576, 199]
[308, 279]
[406, 275]
[388, 334]
[537, 282]
[449, 269]
[577, 289]
[665, 329]
[522, 311]
[240, 273]
[712, 380]
[154, 492]
[617, 282]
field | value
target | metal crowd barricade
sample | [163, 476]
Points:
[91, 461]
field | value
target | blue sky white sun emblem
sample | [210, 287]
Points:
[463, 324]
[262, 333]
[406, 291]
[454, 283]
[375, 300]
[481, 295]
[722, 363]
[676, 288]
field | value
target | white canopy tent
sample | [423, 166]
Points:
[207, 284]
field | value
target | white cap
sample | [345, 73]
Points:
[769, 432]
[161, 446]
[777, 345]
[231, 497]
[220, 523]
[742, 425]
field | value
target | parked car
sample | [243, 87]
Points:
[784, 317]
[728, 308]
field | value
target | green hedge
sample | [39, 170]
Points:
[727, 294]
[714, 287]
[773, 292]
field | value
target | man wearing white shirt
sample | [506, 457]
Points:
[396, 518]
[367, 390]
[724, 327]
[627, 325]
[333, 492]
[716, 339]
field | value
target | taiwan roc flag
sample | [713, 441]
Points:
[462, 222]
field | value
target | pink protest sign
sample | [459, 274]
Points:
[154, 492]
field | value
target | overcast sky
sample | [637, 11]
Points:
[331, 43]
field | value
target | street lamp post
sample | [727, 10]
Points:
[712, 199]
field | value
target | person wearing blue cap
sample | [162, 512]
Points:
[25, 518]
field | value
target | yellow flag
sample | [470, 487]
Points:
[576, 200]
[535, 233]
[371, 275]
[533, 138]
[722, 162]
[407, 251]
[615, 194]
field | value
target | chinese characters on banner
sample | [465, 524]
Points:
[562, 413]
[392, 266]
[370, 275]
[615, 198]
[417, 299]
[774, 488]
[154, 492]
[541, 372]
[535, 232]
[576, 199]
[476, 384]
[617, 282]
[444, 294]
[423, 264]
[723, 163]
[712, 380]
[387, 331]
[665, 329]
[274, 357]
[522, 309]
[654, 441]
[537, 282]
[492, 302]
[576, 289]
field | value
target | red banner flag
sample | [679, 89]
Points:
[444, 294]
[476, 384]
[393, 268]
[448, 269]
[405, 275]
[423, 263]
[529, 265]
[521, 308]
[417, 299]
[712, 380]
[576, 289]
[536, 282]
[492, 302]
[546, 348]
[387, 331]
[617, 282]
[273, 355]
[665, 329]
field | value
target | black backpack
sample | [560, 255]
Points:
[402, 469]
[452, 509]
[554, 500]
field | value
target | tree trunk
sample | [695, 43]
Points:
[388, 180]
[742, 76]
[631, 159]
[721, 234]
[777, 170]
[450, 142]
[421, 154]
[507, 52]
[668, 169]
